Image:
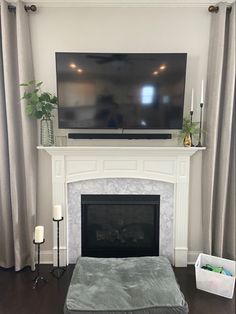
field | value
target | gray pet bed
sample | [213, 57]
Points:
[139, 285]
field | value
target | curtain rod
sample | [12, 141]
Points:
[33, 8]
[28, 8]
[215, 9]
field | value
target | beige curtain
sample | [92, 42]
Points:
[17, 143]
[219, 218]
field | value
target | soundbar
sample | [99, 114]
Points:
[122, 136]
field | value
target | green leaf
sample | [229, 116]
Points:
[39, 84]
[54, 100]
[34, 97]
[29, 110]
[24, 84]
[45, 97]
[27, 95]
[48, 107]
[38, 114]
[39, 106]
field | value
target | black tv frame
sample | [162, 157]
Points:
[136, 136]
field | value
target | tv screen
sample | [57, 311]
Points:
[121, 90]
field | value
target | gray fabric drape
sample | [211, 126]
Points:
[219, 159]
[17, 143]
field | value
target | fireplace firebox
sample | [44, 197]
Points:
[120, 225]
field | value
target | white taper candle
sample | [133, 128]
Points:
[39, 234]
[192, 97]
[202, 92]
[57, 212]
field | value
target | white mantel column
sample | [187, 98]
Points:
[59, 192]
[181, 212]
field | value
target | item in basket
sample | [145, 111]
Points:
[227, 272]
[219, 270]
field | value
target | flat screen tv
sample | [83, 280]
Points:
[121, 90]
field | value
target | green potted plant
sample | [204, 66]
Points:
[40, 105]
[189, 129]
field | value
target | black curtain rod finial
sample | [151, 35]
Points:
[28, 8]
[213, 9]
[32, 8]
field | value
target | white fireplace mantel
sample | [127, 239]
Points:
[167, 164]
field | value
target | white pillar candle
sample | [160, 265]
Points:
[39, 234]
[192, 97]
[202, 93]
[57, 212]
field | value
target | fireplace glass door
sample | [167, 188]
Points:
[120, 225]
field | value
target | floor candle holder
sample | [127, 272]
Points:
[200, 127]
[39, 277]
[58, 271]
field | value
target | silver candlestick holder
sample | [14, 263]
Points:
[58, 271]
[38, 277]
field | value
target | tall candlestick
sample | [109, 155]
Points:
[39, 234]
[38, 277]
[58, 271]
[192, 97]
[202, 92]
[200, 127]
[57, 212]
[191, 119]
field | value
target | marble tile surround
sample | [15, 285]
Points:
[120, 186]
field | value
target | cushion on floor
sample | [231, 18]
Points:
[139, 285]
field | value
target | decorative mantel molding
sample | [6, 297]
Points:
[167, 164]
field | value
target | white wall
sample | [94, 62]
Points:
[121, 30]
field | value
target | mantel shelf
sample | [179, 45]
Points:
[167, 151]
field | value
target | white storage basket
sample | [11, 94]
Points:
[213, 282]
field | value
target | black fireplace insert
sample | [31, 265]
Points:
[120, 225]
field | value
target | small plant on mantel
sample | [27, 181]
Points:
[40, 105]
[189, 129]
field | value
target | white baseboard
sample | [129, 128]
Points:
[192, 257]
[47, 257]
[63, 256]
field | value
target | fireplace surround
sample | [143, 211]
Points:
[73, 164]
[120, 186]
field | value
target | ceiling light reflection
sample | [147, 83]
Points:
[162, 67]
[73, 65]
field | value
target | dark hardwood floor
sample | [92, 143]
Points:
[18, 297]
